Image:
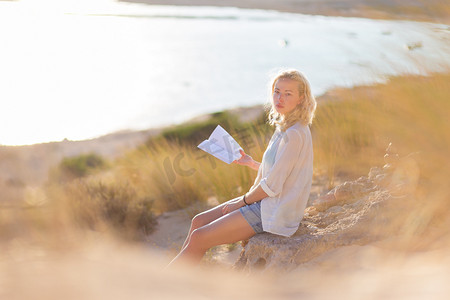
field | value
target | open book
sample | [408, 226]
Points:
[222, 145]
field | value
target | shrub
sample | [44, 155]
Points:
[167, 172]
[194, 133]
[80, 166]
[116, 206]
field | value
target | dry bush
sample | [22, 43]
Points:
[79, 166]
[163, 173]
[114, 206]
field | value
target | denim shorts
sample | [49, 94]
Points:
[252, 214]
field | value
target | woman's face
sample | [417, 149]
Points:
[285, 95]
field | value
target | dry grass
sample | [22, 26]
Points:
[176, 175]
[352, 132]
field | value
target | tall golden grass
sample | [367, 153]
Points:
[177, 175]
[423, 10]
[352, 130]
[354, 127]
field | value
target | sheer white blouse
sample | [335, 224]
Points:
[285, 174]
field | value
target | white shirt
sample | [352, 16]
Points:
[285, 174]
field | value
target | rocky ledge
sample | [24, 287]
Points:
[354, 213]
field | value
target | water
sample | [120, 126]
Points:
[80, 69]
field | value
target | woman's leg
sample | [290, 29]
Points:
[202, 219]
[227, 229]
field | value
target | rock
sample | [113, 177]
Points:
[336, 227]
[348, 192]
[374, 173]
[335, 209]
[355, 213]
[324, 202]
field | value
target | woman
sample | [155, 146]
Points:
[278, 197]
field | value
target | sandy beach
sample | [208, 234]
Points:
[431, 10]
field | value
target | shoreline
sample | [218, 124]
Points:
[29, 165]
[24, 165]
[435, 12]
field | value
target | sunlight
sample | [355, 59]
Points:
[78, 69]
[78, 6]
[41, 72]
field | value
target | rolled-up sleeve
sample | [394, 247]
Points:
[288, 152]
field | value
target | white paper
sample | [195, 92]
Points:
[221, 145]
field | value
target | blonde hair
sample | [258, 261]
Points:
[303, 112]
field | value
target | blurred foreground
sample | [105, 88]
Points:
[105, 270]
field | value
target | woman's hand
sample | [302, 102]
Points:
[232, 205]
[245, 160]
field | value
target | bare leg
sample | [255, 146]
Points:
[202, 219]
[229, 228]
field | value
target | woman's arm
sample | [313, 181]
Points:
[252, 196]
[272, 184]
[247, 160]
[255, 195]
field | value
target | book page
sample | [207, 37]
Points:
[221, 145]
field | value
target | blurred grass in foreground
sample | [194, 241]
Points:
[353, 129]
[351, 132]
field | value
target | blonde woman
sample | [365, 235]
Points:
[278, 197]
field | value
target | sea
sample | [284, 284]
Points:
[79, 69]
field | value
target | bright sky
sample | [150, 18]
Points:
[37, 75]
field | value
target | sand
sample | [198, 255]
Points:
[171, 232]
[109, 270]
[419, 10]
